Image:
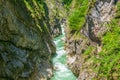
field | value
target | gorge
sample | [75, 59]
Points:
[61, 71]
[59, 39]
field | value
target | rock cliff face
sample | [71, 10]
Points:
[89, 48]
[25, 43]
[56, 13]
[92, 38]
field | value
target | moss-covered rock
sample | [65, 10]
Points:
[25, 42]
[93, 50]
[56, 15]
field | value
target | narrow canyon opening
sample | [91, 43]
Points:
[61, 70]
[59, 39]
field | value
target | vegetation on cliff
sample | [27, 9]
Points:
[78, 10]
[109, 57]
[78, 15]
[37, 11]
[101, 60]
[26, 45]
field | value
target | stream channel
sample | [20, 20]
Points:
[61, 72]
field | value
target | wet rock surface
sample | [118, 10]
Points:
[25, 47]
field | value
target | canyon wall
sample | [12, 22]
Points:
[56, 15]
[93, 39]
[25, 42]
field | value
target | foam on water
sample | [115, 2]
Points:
[61, 72]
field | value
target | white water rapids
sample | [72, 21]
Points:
[61, 72]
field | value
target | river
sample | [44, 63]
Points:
[61, 72]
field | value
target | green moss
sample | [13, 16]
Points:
[106, 64]
[89, 50]
[110, 55]
[35, 7]
[67, 2]
[77, 17]
[80, 9]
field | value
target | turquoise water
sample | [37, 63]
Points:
[61, 72]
